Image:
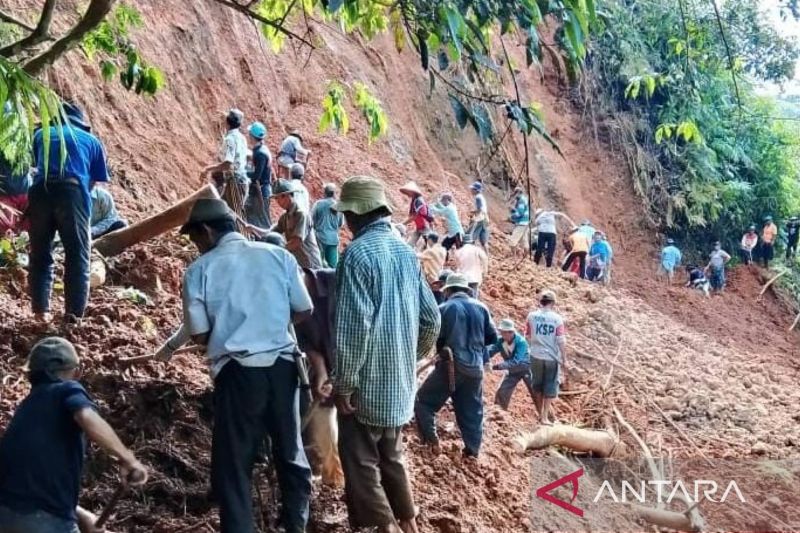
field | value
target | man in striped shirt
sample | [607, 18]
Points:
[386, 319]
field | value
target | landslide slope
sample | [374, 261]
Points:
[721, 369]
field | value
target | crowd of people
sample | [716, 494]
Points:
[315, 353]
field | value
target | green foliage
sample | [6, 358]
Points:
[333, 111]
[373, 112]
[716, 163]
[111, 40]
[14, 250]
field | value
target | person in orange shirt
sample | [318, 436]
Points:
[768, 235]
[580, 247]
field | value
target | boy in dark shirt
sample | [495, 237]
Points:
[42, 450]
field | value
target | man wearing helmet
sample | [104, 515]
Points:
[257, 206]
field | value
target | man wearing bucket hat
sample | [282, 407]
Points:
[479, 216]
[513, 348]
[547, 340]
[295, 224]
[418, 213]
[467, 329]
[257, 206]
[386, 319]
[239, 300]
[42, 450]
[59, 201]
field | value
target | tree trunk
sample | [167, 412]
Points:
[601, 443]
[115, 242]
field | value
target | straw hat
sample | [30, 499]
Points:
[410, 188]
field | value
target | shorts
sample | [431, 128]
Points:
[545, 377]
[518, 234]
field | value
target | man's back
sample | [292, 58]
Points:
[544, 327]
[326, 221]
[466, 329]
[86, 160]
[386, 317]
[470, 261]
[670, 255]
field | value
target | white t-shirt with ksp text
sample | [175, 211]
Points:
[544, 328]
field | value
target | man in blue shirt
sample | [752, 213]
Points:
[520, 216]
[670, 258]
[327, 223]
[257, 205]
[446, 209]
[105, 217]
[59, 201]
[599, 258]
[513, 347]
[42, 450]
[467, 329]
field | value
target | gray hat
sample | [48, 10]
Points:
[506, 325]
[456, 281]
[282, 187]
[547, 296]
[297, 171]
[52, 354]
[207, 210]
[362, 195]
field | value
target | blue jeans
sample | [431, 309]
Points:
[60, 207]
[249, 404]
[36, 522]
[467, 403]
[330, 254]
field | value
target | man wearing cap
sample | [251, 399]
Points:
[327, 223]
[290, 152]
[230, 174]
[467, 329]
[748, 245]
[446, 209]
[239, 301]
[59, 201]
[432, 257]
[548, 347]
[418, 213]
[792, 236]
[513, 348]
[297, 173]
[438, 286]
[43, 448]
[295, 224]
[547, 235]
[520, 216]
[670, 259]
[386, 319]
[479, 216]
[257, 205]
[473, 263]
[768, 235]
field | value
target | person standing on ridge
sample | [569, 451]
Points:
[579, 248]
[240, 298]
[513, 348]
[297, 174]
[479, 217]
[547, 235]
[60, 201]
[748, 245]
[716, 267]
[520, 216]
[548, 347]
[386, 319]
[230, 174]
[327, 223]
[296, 226]
[291, 151]
[768, 235]
[792, 236]
[446, 209]
[257, 205]
[467, 329]
[417, 213]
[670, 259]
[42, 451]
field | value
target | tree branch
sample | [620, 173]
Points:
[95, 13]
[40, 34]
[263, 20]
[5, 17]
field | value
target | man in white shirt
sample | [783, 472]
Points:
[473, 262]
[239, 300]
[547, 234]
[546, 335]
[297, 173]
[230, 174]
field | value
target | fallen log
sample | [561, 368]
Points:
[601, 443]
[670, 519]
[116, 242]
[770, 282]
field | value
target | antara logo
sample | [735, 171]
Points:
[544, 492]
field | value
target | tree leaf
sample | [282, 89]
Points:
[462, 114]
[454, 23]
[482, 122]
[108, 70]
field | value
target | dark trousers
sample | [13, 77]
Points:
[249, 403]
[506, 389]
[60, 207]
[581, 257]
[12, 521]
[467, 403]
[767, 253]
[545, 245]
[455, 240]
[746, 256]
[791, 247]
[376, 484]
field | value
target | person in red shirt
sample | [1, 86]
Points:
[418, 213]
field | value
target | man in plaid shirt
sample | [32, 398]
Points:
[386, 319]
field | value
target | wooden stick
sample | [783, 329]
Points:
[654, 471]
[770, 282]
[796, 320]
